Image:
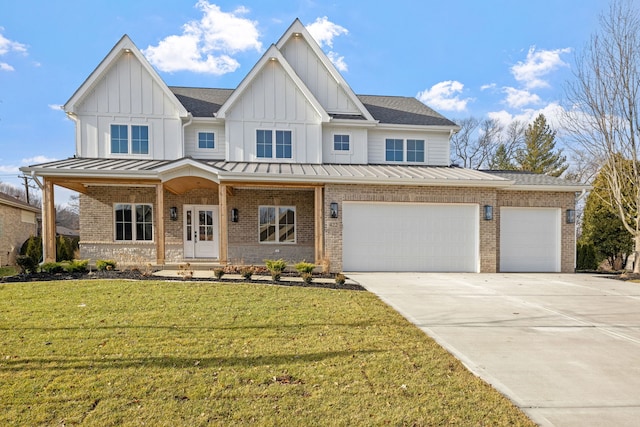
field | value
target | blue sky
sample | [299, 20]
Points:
[492, 58]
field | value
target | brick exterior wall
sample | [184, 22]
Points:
[14, 230]
[97, 222]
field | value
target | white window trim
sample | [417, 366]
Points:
[273, 158]
[129, 155]
[133, 223]
[404, 160]
[295, 230]
[334, 151]
[216, 142]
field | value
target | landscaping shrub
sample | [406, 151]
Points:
[307, 278]
[64, 248]
[26, 264]
[586, 257]
[52, 267]
[218, 272]
[76, 266]
[304, 267]
[247, 272]
[340, 279]
[32, 247]
[275, 267]
[105, 264]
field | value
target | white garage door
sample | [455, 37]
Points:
[530, 239]
[409, 237]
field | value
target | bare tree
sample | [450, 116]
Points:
[605, 114]
[475, 143]
[511, 141]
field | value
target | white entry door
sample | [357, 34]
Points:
[201, 231]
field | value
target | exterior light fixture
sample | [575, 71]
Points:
[234, 215]
[173, 213]
[333, 208]
[488, 212]
[571, 216]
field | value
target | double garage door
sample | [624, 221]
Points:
[445, 238]
[409, 237]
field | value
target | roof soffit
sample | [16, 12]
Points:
[297, 29]
[272, 54]
[124, 46]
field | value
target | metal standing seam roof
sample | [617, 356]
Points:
[263, 171]
[529, 179]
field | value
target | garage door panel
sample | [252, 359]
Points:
[410, 237]
[530, 239]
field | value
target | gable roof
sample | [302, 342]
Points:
[124, 46]
[297, 29]
[403, 110]
[273, 54]
[201, 102]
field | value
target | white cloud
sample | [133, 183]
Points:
[488, 86]
[9, 169]
[37, 159]
[518, 98]
[443, 96]
[338, 61]
[55, 107]
[7, 46]
[538, 64]
[553, 112]
[323, 31]
[206, 46]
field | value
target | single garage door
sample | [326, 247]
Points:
[529, 239]
[410, 237]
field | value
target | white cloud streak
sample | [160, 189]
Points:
[443, 96]
[7, 46]
[207, 45]
[518, 98]
[538, 64]
[324, 31]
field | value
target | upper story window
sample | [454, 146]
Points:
[397, 151]
[133, 222]
[206, 140]
[265, 144]
[129, 139]
[341, 142]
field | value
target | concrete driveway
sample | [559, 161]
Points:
[565, 348]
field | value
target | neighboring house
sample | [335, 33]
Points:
[18, 222]
[291, 164]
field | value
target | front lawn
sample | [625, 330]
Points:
[158, 353]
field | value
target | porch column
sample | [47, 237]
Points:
[222, 223]
[160, 224]
[319, 222]
[48, 223]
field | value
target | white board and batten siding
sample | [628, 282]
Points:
[436, 145]
[127, 95]
[316, 77]
[273, 102]
[191, 141]
[530, 239]
[410, 237]
[357, 153]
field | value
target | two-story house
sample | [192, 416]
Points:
[291, 164]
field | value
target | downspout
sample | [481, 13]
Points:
[575, 231]
[184, 125]
[74, 118]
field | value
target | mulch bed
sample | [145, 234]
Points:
[140, 275]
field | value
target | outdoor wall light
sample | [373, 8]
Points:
[488, 212]
[333, 208]
[571, 216]
[173, 213]
[234, 215]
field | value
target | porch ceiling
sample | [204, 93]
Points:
[187, 183]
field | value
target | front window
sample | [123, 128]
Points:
[133, 222]
[265, 144]
[341, 142]
[277, 224]
[206, 140]
[394, 150]
[127, 139]
[415, 150]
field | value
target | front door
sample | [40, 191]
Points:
[201, 231]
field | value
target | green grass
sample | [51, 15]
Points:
[113, 353]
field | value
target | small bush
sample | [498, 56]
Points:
[26, 264]
[218, 272]
[340, 279]
[307, 278]
[275, 267]
[305, 267]
[52, 267]
[105, 264]
[247, 272]
[76, 266]
[32, 247]
[586, 257]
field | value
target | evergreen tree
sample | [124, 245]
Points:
[539, 154]
[603, 228]
[501, 160]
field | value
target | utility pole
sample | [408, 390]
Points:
[26, 187]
